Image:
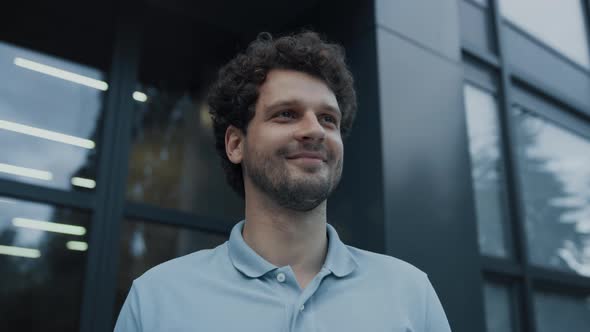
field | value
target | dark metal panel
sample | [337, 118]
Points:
[81, 200]
[357, 203]
[477, 28]
[546, 66]
[429, 207]
[431, 24]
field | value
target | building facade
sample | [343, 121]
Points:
[469, 157]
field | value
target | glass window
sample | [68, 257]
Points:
[559, 24]
[486, 162]
[145, 245]
[42, 262]
[498, 308]
[559, 312]
[173, 161]
[50, 109]
[555, 179]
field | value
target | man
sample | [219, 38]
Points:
[280, 111]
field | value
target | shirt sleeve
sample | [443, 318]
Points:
[128, 320]
[436, 320]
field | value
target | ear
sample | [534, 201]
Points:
[234, 144]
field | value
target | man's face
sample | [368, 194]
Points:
[293, 149]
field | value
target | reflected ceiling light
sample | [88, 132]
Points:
[140, 96]
[46, 134]
[77, 245]
[6, 201]
[20, 252]
[28, 172]
[48, 226]
[60, 73]
[82, 182]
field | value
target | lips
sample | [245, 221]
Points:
[308, 155]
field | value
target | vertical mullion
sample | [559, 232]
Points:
[508, 142]
[586, 18]
[130, 50]
[107, 144]
[100, 283]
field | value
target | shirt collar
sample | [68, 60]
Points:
[339, 260]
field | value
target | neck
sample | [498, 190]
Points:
[286, 237]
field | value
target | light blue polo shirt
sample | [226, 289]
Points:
[231, 288]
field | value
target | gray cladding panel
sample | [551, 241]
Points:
[432, 24]
[429, 211]
[545, 69]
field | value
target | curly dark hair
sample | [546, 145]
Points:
[233, 96]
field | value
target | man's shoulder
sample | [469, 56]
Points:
[385, 264]
[183, 267]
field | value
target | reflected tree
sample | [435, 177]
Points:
[556, 192]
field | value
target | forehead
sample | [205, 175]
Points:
[290, 85]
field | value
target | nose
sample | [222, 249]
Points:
[310, 129]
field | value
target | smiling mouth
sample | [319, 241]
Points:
[313, 156]
[307, 161]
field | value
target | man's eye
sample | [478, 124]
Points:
[286, 114]
[329, 118]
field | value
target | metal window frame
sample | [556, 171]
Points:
[100, 278]
[542, 43]
[111, 207]
[154, 214]
[521, 272]
[38, 194]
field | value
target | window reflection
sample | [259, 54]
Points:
[556, 312]
[49, 114]
[559, 24]
[173, 162]
[498, 308]
[555, 177]
[486, 170]
[42, 261]
[145, 245]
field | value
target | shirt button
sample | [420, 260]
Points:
[302, 307]
[281, 277]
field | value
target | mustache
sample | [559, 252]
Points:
[302, 148]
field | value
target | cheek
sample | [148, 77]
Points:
[337, 149]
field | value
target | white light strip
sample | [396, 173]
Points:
[60, 73]
[6, 201]
[140, 96]
[82, 182]
[77, 245]
[46, 134]
[28, 172]
[48, 226]
[20, 252]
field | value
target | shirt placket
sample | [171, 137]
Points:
[301, 310]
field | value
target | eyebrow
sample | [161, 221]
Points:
[284, 103]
